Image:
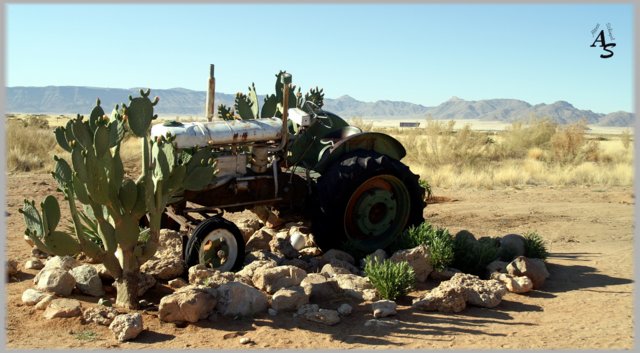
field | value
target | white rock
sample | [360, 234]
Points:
[275, 278]
[32, 296]
[190, 304]
[535, 269]
[63, 308]
[55, 280]
[45, 301]
[419, 258]
[33, 264]
[289, 299]
[323, 316]
[167, 263]
[87, 280]
[126, 326]
[383, 308]
[235, 298]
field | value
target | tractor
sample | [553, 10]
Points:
[350, 183]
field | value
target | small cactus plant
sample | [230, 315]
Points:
[96, 178]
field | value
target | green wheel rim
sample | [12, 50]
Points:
[377, 212]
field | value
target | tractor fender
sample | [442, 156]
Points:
[369, 141]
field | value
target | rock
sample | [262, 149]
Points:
[280, 244]
[511, 246]
[145, 282]
[310, 251]
[248, 227]
[190, 304]
[268, 216]
[307, 308]
[100, 315]
[323, 316]
[443, 275]
[62, 262]
[264, 255]
[319, 288]
[514, 284]
[345, 309]
[356, 287]
[338, 255]
[259, 241]
[245, 340]
[336, 266]
[315, 263]
[381, 323]
[274, 278]
[383, 308]
[34, 264]
[444, 299]
[300, 237]
[331, 270]
[32, 296]
[126, 327]
[249, 270]
[177, 283]
[12, 268]
[484, 293]
[87, 280]
[535, 269]
[45, 301]
[236, 298]
[297, 263]
[272, 311]
[202, 275]
[37, 253]
[289, 299]
[419, 258]
[63, 308]
[167, 263]
[378, 255]
[104, 274]
[55, 280]
[497, 266]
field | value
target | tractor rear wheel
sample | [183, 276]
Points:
[215, 243]
[366, 200]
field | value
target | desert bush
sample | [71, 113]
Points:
[29, 147]
[534, 246]
[567, 142]
[471, 256]
[520, 137]
[626, 139]
[391, 279]
[438, 240]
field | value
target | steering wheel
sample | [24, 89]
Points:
[315, 110]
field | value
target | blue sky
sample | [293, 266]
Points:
[420, 53]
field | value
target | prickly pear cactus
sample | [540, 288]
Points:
[225, 113]
[96, 178]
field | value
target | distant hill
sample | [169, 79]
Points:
[181, 102]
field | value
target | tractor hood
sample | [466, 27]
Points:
[221, 132]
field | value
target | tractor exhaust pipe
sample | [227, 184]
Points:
[210, 95]
[286, 81]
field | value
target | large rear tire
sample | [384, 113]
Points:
[216, 243]
[366, 200]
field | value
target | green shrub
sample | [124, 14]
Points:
[438, 240]
[473, 256]
[534, 246]
[391, 279]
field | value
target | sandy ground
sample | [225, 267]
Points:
[587, 302]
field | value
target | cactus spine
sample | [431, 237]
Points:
[96, 179]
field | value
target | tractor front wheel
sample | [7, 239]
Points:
[215, 243]
[366, 200]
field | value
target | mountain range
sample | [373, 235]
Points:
[184, 102]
